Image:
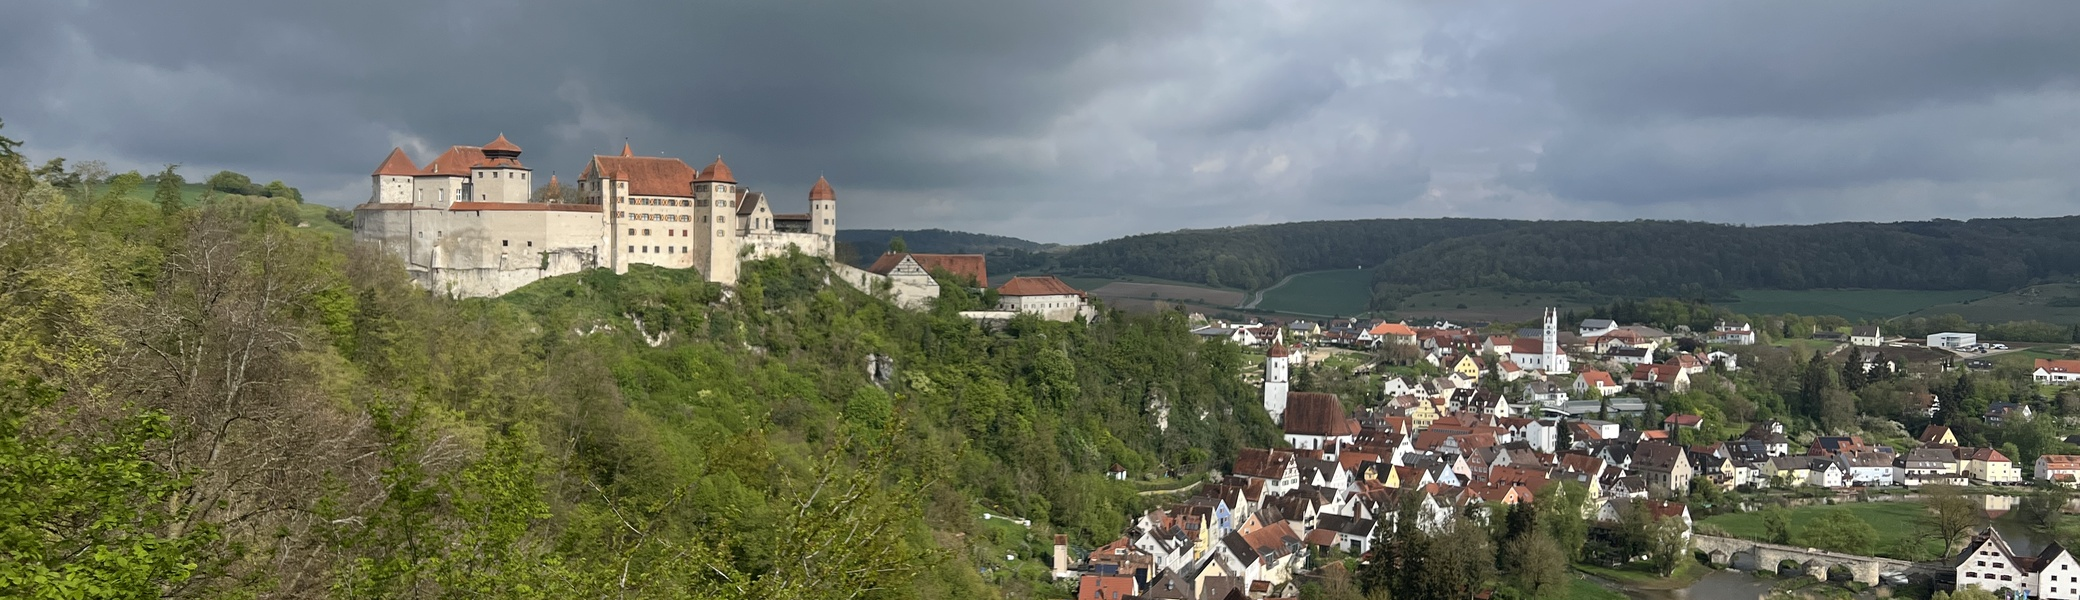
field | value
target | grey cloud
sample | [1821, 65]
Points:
[1081, 120]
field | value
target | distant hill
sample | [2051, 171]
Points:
[869, 243]
[1410, 256]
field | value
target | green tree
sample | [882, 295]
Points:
[1776, 525]
[83, 515]
[1536, 565]
[230, 183]
[2043, 508]
[896, 245]
[1950, 516]
[1841, 531]
[168, 192]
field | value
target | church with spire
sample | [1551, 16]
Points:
[469, 222]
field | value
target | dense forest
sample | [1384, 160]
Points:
[203, 399]
[868, 243]
[1639, 258]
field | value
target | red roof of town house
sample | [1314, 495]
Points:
[1683, 420]
[397, 164]
[1598, 378]
[1527, 346]
[2053, 365]
[646, 175]
[1662, 373]
[1392, 329]
[502, 146]
[1314, 413]
[2061, 461]
[822, 190]
[1045, 285]
[960, 265]
[1105, 587]
[716, 171]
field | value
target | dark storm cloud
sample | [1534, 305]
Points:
[1075, 121]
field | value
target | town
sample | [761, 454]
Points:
[1432, 448]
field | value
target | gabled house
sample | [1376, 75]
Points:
[1597, 381]
[2056, 371]
[1923, 466]
[1664, 465]
[1595, 327]
[2062, 469]
[1867, 335]
[1670, 377]
[1989, 466]
[1938, 435]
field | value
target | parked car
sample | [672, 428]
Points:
[2000, 346]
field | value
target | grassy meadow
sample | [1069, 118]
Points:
[1852, 304]
[2033, 303]
[1343, 292]
[1896, 522]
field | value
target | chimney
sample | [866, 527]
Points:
[1061, 555]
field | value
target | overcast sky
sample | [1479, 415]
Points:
[1074, 121]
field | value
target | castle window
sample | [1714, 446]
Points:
[704, 218]
[670, 232]
[631, 231]
[646, 232]
[720, 218]
[631, 249]
[530, 243]
[503, 243]
[718, 233]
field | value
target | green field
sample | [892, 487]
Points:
[2027, 304]
[1482, 304]
[1849, 304]
[311, 214]
[1895, 521]
[1345, 292]
[1583, 589]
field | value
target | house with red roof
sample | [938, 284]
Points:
[1045, 296]
[2056, 371]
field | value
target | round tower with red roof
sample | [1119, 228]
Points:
[823, 211]
[1276, 364]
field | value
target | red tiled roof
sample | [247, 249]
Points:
[2052, 365]
[1314, 413]
[1045, 285]
[822, 190]
[1598, 378]
[1527, 346]
[1685, 420]
[646, 175]
[1392, 329]
[455, 162]
[960, 265]
[1104, 587]
[716, 171]
[626, 150]
[501, 145]
[397, 164]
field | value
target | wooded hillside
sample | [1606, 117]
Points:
[1634, 257]
[205, 399]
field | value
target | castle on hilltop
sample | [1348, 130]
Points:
[467, 223]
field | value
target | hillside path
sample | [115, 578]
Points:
[1258, 296]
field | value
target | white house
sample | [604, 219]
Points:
[2056, 371]
[1733, 333]
[1596, 327]
[1045, 296]
[1990, 564]
[1239, 335]
[1598, 381]
[1867, 335]
[2063, 469]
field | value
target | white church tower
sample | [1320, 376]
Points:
[1550, 357]
[1275, 364]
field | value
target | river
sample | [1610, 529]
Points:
[1716, 585]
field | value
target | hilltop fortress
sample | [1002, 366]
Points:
[466, 223]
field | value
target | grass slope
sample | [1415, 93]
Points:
[2032, 303]
[312, 215]
[1895, 522]
[1851, 304]
[1482, 304]
[1343, 292]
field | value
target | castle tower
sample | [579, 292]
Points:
[715, 199]
[393, 179]
[1275, 384]
[501, 177]
[823, 216]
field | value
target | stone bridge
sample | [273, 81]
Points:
[1756, 556]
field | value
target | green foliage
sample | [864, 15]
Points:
[83, 515]
[167, 193]
[1841, 531]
